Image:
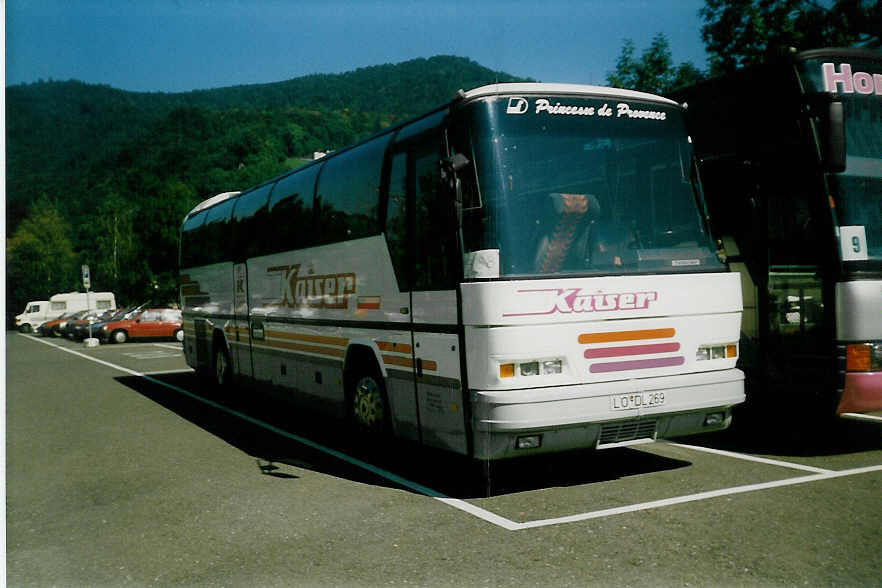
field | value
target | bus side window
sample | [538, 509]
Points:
[435, 229]
[348, 193]
[191, 255]
[249, 218]
[214, 235]
[291, 211]
[396, 220]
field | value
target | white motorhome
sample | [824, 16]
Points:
[33, 316]
[38, 312]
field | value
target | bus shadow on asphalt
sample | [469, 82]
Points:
[371, 461]
[780, 432]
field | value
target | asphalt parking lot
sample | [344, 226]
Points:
[123, 469]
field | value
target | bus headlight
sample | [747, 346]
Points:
[544, 367]
[551, 367]
[863, 357]
[725, 351]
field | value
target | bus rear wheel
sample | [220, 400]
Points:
[369, 410]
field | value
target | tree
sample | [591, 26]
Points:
[112, 247]
[743, 32]
[653, 72]
[40, 256]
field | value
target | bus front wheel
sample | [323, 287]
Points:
[369, 410]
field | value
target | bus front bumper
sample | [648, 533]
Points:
[862, 393]
[541, 420]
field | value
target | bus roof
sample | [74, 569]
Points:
[573, 89]
[208, 203]
[856, 52]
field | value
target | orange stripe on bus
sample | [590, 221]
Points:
[395, 360]
[626, 336]
[300, 347]
[396, 347]
[428, 365]
[308, 338]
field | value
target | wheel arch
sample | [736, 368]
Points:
[361, 351]
[360, 354]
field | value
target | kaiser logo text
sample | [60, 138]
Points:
[315, 291]
[576, 300]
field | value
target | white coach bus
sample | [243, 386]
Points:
[525, 269]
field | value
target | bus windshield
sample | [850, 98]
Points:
[572, 185]
[856, 192]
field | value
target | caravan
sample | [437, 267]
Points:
[38, 312]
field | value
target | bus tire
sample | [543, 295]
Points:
[223, 372]
[368, 406]
[119, 336]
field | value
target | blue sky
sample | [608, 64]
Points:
[181, 45]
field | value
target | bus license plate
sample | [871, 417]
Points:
[637, 400]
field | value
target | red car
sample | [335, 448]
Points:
[51, 328]
[151, 323]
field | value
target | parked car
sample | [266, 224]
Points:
[152, 323]
[63, 329]
[79, 329]
[52, 328]
[117, 315]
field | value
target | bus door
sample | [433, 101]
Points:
[421, 235]
[240, 338]
[798, 346]
[429, 268]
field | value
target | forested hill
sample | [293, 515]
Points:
[58, 127]
[86, 161]
[405, 88]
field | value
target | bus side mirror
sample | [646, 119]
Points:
[832, 126]
[450, 167]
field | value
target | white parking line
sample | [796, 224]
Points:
[163, 372]
[696, 497]
[861, 417]
[748, 457]
[177, 347]
[489, 516]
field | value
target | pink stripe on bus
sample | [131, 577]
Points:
[637, 364]
[631, 350]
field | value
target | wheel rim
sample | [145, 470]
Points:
[368, 404]
[120, 337]
[179, 335]
[220, 366]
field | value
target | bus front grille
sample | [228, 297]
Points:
[624, 431]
